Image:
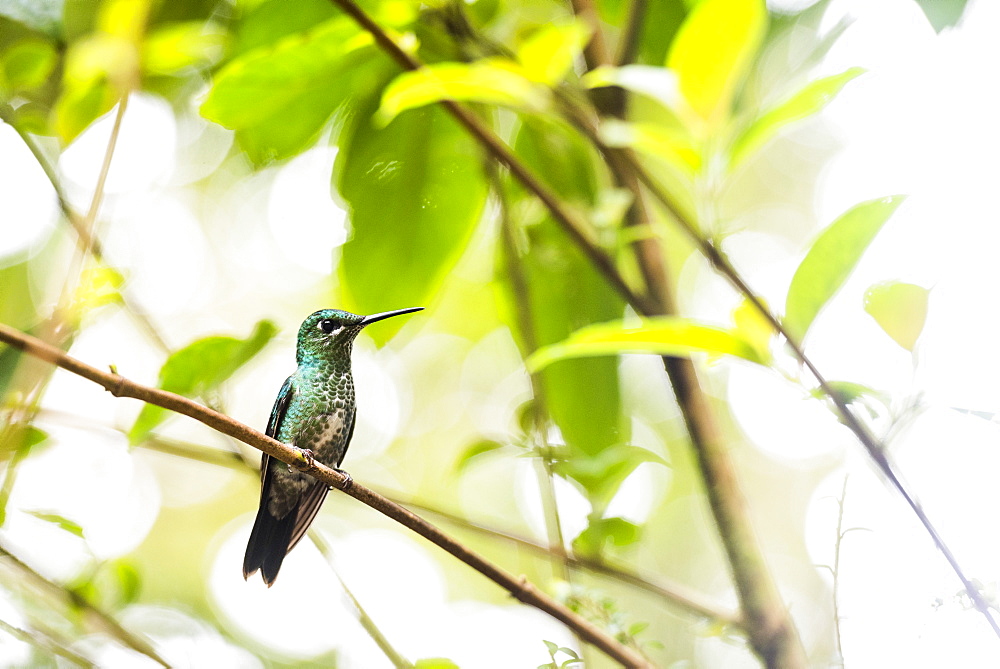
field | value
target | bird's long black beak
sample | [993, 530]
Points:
[368, 320]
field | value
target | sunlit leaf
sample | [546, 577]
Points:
[201, 367]
[99, 286]
[806, 102]
[61, 521]
[415, 190]
[670, 144]
[435, 663]
[712, 51]
[753, 327]
[831, 259]
[27, 64]
[280, 96]
[548, 54]
[179, 46]
[900, 309]
[665, 335]
[87, 90]
[493, 81]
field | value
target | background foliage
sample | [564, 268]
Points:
[504, 412]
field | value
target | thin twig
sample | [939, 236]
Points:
[46, 643]
[526, 324]
[836, 572]
[102, 620]
[520, 588]
[393, 655]
[86, 238]
[673, 593]
[628, 46]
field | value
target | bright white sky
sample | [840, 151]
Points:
[922, 121]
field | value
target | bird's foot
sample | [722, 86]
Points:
[309, 457]
[348, 480]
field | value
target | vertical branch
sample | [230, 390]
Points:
[526, 324]
[769, 626]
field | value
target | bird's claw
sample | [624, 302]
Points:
[348, 480]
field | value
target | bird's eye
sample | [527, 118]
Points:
[327, 325]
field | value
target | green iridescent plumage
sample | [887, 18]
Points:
[314, 410]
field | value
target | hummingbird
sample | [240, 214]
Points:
[314, 411]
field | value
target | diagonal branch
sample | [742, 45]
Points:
[676, 594]
[99, 618]
[520, 588]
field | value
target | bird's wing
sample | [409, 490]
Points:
[312, 499]
[278, 411]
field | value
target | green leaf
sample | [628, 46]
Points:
[548, 54]
[600, 475]
[831, 259]
[943, 13]
[27, 64]
[666, 335]
[279, 97]
[900, 309]
[415, 191]
[435, 663]
[63, 522]
[492, 81]
[809, 100]
[475, 450]
[268, 22]
[712, 51]
[600, 532]
[849, 392]
[172, 48]
[199, 368]
[752, 326]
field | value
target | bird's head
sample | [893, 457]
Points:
[328, 333]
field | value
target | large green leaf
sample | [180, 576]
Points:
[665, 335]
[279, 97]
[806, 102]
[199, 368]
[831, 259]
[564, 292]
[712, 51]
[415, 190]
